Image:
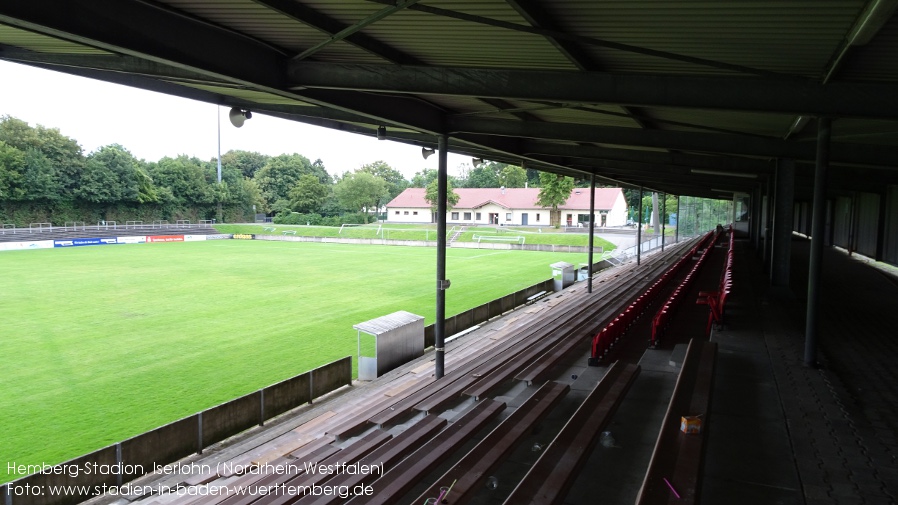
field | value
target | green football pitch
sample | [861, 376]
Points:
[102, 343]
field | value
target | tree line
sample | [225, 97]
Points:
[46, 177]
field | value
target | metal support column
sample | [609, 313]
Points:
[663, 212]
[815, 267]
[782, 223]
[677, 229]
[439, 327]
[592, 229]
[756, 218]
[639, 230]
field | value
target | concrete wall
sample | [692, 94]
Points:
[331, 377]
[867, 223]
[138, 455]
[464, 320]
[890, 248]
[162, 445]
[285, 395]
[231, 418]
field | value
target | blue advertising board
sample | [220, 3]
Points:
[83, 241]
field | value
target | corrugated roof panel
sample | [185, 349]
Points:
[462, 43]
[865, 131]
[31, 41]
[264, 24]
[247, 94]
[387, 323]
[593, 115]
[752, 123]
[789, 37]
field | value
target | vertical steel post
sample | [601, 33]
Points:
[679, 220]
[782, 223]
[592, 229]
[439, 345]
[639, 230]
[815, 267]
[663, 212]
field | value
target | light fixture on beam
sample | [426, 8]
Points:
[239, 116]
[725, 174]
[425, 152]
[870, 22]
[381, 133]
[476, 162]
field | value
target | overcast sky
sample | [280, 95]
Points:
[154, 125]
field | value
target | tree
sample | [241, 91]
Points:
[432, 196]
[308, 195]
[40, 179]
[396, 182]
[281, 173]
[512, 177]
[555, 189]
[12, 164]
[185, 177]
[484, 176]
[360, 191]
[245, 162]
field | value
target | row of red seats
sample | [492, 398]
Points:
[716, 300]
[664, 315]
[605, 339]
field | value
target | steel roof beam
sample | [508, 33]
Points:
[330, 26]
[745, 145]
[787, 96]
[350, 30]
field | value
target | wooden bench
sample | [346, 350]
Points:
[551, 477]
[350, 454]
[400, 479]
[468, 475]
[675, 468]
[533, 298]
[385, 456]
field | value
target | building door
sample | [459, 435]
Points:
[524, 219]
[570, 220]
[494, 218]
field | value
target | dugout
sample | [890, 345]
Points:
[563, 274]
[397, 338]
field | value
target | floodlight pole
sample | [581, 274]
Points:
[439, 326]
[218, 121]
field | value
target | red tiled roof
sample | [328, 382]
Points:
[511, 198]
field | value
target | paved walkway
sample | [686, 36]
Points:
[786, 433]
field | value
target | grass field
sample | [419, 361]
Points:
[103, 343]
[547, 235]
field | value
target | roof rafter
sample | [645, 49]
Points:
[537, 16]
[803, 97]
[330, 26]
[585, 40]
[745, 145]
[350, 30]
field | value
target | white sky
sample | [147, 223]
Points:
[154, 125]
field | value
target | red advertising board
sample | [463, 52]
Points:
[165, 238]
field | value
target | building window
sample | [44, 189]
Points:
[397, 212]
[508, 216]
[537, 217]
[415, 213]
[455, 216]
[477, 216]
[406, 213]
[467, 216]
